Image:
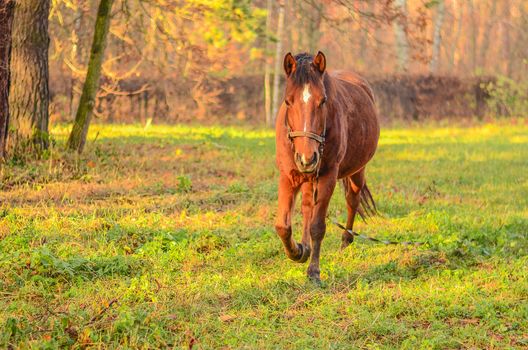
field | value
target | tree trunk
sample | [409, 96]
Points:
[6, 21]
[486, 35]
[29, 96]
[506, 51]
[267, 68]
[400, 31]
[437, 36]
[278, 61]
[295, 24]
[314, 25]
[474, 35]
[79, 132]
[458, 19]
[364, 29]
[76, 54]
[520, 52]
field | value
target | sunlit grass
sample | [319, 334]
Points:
[163, 237]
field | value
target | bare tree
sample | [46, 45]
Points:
[457, 18]
[77, 52]
[437, 36]
[6, 21]
[267, 68]
[278, 51]
[77, 138]
[315, 16]
[400, 31]
[29, 95]
[506, 51]
[473, 44]
[486, 34]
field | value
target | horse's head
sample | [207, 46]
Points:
[305, 98]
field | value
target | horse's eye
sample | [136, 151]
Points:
[323, 101]
[288, 102]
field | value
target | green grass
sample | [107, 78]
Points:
[164, 238]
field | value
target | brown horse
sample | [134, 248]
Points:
[327, 129]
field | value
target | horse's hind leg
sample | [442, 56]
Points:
[353, 185]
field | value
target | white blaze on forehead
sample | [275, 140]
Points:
[306, 93]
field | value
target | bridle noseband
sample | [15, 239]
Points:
[311, 135]
[319, 138]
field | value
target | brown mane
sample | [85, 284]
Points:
[304, 72]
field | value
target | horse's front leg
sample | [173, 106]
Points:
[307, 210]
[325, 188]
[287, 193]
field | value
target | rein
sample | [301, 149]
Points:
[319, 138]
[386, 242]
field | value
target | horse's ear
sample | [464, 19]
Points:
[320, 62]
[289, 64]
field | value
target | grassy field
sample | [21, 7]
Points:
[164, 238]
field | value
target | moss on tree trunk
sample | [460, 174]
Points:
[78, 134]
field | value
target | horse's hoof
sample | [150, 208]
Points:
[346, 240]
[314, 275]
[345, 244]
[305, 253]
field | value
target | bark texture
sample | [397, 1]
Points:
[6, 21]
[29, 96]
[77, 138]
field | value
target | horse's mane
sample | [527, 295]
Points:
[304, 73]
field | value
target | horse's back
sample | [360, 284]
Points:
[362, 128]
[356, 80]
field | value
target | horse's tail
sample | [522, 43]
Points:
[367, 206]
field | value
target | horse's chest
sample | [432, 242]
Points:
[297, 178]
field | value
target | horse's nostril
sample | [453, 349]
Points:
[314, 157]
[306, 162]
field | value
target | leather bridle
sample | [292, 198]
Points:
[293, 134]
[311, 135]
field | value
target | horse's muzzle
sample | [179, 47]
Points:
[305, 164]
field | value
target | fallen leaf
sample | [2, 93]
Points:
[227, 318]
